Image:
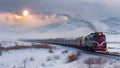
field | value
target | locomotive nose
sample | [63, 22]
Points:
[103, 43]
[100, 42]
[101, 46]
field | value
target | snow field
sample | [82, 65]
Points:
[59, 57]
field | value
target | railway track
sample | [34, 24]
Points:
[113, 42]
[104, 54]
[107, 54]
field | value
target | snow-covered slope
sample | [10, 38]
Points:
[110, 26]
[112, 23]
[74, 26]
[57, 25]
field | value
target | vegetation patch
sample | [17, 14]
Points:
[95, 62]
[73, 56]
[16, 47]
[46, 46]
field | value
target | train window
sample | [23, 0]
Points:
[97, 37]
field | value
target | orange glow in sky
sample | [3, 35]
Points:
[16, 16]
[25, 13]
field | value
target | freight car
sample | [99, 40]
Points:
[93, 42]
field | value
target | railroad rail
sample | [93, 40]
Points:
[104, 54]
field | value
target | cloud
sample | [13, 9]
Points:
[30, 21]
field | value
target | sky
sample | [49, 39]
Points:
[44, 12]
[85, 8]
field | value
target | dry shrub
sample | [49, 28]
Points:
[43, 64]
[50, 51]
[49, 58]
[56, 57]
[2, 48]
[55, 47]
[93, 60]
[72, 57]
[17, 47]
[46, 46]
[78, 53]
[31, 59]
[65, 51]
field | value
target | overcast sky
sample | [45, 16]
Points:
[83, 7]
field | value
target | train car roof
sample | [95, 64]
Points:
[96, 33]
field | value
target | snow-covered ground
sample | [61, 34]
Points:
[54, 58]
[114, 47]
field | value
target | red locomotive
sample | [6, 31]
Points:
[96, 42]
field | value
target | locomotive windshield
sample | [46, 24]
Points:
[99, 37]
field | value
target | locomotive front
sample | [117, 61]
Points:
[99, 42]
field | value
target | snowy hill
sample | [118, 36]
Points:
[74, 26]
[110, 26]
[113, 23]
[60, 25]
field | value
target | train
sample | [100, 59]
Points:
[94, 42]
